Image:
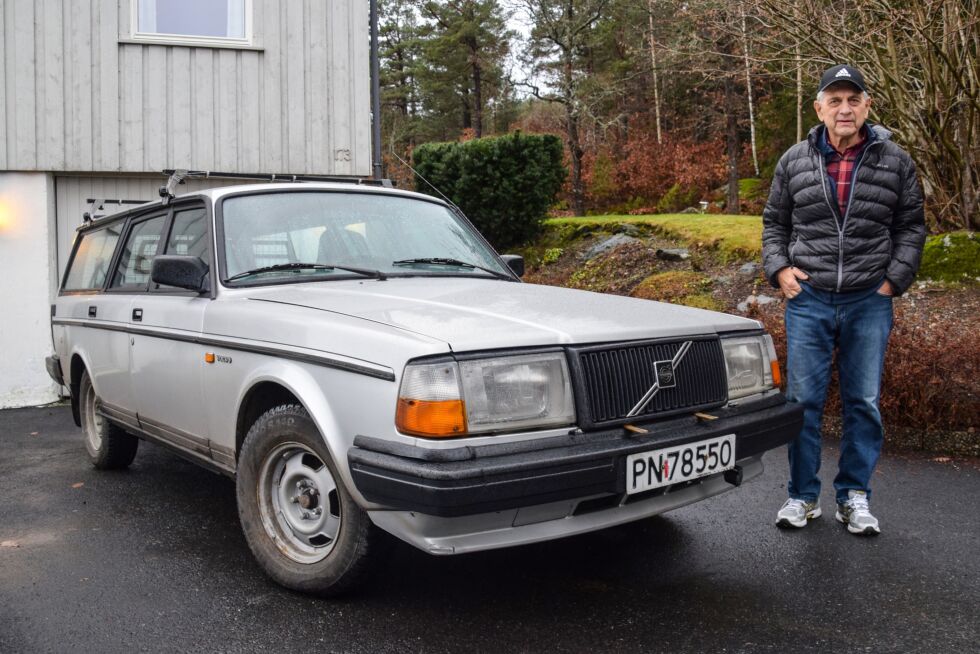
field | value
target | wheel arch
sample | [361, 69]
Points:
[280, 382]
[259, 398]
[76, 367]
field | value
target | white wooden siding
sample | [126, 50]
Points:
[76, 99]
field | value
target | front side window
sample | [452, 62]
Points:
[188, 238]
[188, 21]
[90, 265]
[300, 235]
[142, 244]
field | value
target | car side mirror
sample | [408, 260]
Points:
[515, 262]
[180, 271]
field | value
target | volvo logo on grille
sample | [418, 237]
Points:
[664, 377]
[664, 370]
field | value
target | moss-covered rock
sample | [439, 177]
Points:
[952, 257]
[701, 301]
[680, 287]
[617, 271]
[672, 285]
[752, 188]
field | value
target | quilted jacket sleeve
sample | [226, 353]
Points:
[908, 232]
[777, 224]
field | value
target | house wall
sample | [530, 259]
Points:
[79, 98]
[27, 254]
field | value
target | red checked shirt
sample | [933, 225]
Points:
[840, 167]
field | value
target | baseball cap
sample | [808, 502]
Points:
[842, 73]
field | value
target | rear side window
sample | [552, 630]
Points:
[90, 265]
[142, 244]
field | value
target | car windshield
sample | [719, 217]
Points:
[298, 235]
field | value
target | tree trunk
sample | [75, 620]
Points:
[467, 116]
[799, 94]
[477, 99]
[656, 84]
[748, 90]
[576, 152]
[731, 124]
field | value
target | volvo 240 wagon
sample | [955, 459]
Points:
[359, 359]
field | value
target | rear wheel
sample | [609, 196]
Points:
[300, 522]
[109, 447]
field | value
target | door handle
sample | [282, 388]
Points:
[137, 315]
[92, 311]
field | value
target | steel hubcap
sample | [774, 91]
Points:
[299, 503]
[93, 421]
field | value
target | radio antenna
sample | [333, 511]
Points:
[420, 176]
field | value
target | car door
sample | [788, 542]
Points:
[167, 362]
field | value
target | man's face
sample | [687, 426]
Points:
[843, 109]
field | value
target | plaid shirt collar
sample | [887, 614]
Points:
[840, 166]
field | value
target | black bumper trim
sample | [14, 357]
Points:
[470, 480]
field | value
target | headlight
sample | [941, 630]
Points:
[751, 365]
[485, 395]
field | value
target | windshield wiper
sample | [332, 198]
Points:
[445, 261]
[298, 265]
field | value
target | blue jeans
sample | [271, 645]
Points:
[857, 324]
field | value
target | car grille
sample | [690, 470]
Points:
[612, 379]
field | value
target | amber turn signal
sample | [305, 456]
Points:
[433, 419]
[209, 357]
[776, 378]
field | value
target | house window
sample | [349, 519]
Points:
[193, 22]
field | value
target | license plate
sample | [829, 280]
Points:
[673, 465]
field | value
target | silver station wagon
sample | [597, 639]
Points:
[359, 359]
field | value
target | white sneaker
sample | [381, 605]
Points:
[857, 516]
[795, 513]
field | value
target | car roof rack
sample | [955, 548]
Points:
[177, 176]
[98, 204]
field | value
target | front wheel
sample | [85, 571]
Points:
[109, 447]
[300, 522]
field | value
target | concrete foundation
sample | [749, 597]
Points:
[28, 261]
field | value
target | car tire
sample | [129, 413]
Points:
[301, 524]
[109, 447]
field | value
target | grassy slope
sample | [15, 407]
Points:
[735, 237]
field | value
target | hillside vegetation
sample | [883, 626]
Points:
[931, 394]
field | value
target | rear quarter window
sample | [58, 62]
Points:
[90, 265]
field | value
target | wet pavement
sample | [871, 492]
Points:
[152, 559]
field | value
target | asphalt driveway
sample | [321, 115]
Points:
[152, 559]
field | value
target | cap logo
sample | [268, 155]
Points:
[842, 73]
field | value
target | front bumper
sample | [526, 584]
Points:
[477, 480]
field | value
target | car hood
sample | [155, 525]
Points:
[482, 314]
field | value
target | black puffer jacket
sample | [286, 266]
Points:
[880, 236]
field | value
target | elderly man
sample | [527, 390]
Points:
[843, 232]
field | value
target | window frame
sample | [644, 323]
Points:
[168, 231]
[127, 220]
[134, 221]
[246, 42]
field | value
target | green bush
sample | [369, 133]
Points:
[504, 184]
[551, 255]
